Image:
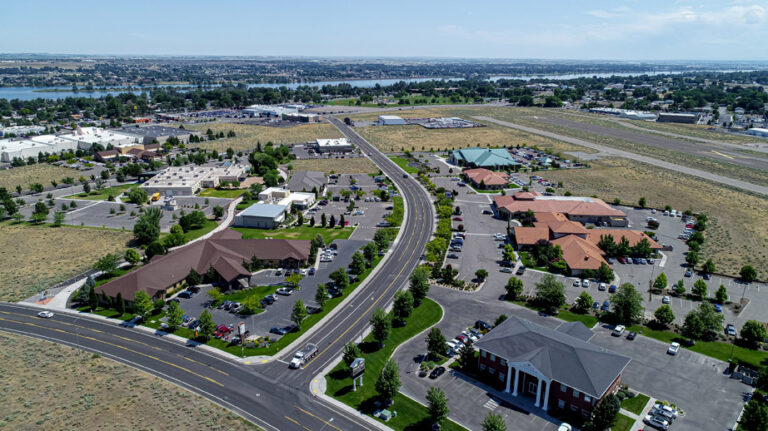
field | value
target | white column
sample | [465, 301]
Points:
[546, 396]
[517, 381]
[509, 377]
[538, 394]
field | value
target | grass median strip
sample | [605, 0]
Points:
[410, 414]
[303, 232]
[403, 163]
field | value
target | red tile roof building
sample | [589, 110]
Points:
[487, 178]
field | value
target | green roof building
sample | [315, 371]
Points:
[491, 158]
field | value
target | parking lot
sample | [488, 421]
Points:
[278, 313]
[694, 382]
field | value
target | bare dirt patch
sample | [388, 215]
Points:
[36, 257]
[354, 165]
[737, 234]
[246, 136]
[47, 386]
[26, 175]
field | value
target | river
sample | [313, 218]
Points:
[31, 93]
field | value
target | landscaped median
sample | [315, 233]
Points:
[403, 163]
[411, 415]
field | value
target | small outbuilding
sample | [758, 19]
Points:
[391, 120]
[264, 216]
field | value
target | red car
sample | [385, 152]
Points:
[463, 339]
[623, 259]
[222, 331]
[689, 225]
[458, 219]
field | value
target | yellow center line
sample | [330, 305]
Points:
[136, 341]
[117, 346]
[205, 365]
[724, 155]
[293, 420]
[421, 207]
[320, 419]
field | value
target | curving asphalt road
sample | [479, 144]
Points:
[270, 395]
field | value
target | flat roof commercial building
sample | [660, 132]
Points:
[25, 148]
[758, 131]
[558, 368]
[334, 145]
[188, 180]
[262, 216]
[87, 136]
[161, 134]
[21, 130]
[391, 120]
[671, 117]
[225, 252]
[276, 195]
[269, 110]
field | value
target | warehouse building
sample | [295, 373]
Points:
[670, 117]
[188, 180]
[86, 137]
[161, 134]
[21, 130]
[302, 118]
[335, 145]
[261, 215]
[758, 131]
[391, 120]
[269, 111]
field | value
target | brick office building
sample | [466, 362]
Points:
[557, 368]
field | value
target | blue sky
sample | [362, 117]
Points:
[555, 29]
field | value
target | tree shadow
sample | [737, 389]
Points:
[368, 347]
[424, 424]
[339, 374]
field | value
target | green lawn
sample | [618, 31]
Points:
[403, 163]
[119, 272]
[715, 349]
[623, 423]
[635, 404]
[103, 194]
[224, 193]
[569, 316]
[108, 312]
[410, 414]
[303, 232]
[208, 226]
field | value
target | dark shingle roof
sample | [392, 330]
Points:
[577, 330]
[304, 181]
[557, 355]
[225, 252]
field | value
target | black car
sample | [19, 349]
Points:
[185, 294]
[193, 289]
[437, 372]
[631, 335]
[520, 270]
[279, 330]
[482, 326]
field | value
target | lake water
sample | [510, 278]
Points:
[31, 93]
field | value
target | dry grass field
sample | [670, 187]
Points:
[416, 138]
[35, 257]
[354, 165]
[737, 234]
[26, 175]
[247, 136]
[47, 386]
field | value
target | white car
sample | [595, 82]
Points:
[284, 291]
[618, 330]
[673, 348]
[303, 272]
[45, 314]
[565, 426]
[507, 270]
[665, 299]
[469, 335]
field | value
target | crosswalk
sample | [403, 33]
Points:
[491, 404]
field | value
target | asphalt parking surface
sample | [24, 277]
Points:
[279, 313]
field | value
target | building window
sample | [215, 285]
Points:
[491, 371]
[563, 388]
[482, 367]
[493, 357]
[574, 408]
[503, 362]
[502, 376]
[576, 394]
[587, 398]
[560, 404]
[585, 413]
[482, 353]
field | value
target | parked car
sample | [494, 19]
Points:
[584, 283]
[463, 338]
[602, 287]
[688, 273]
[452, 256]
[632, 335]
[507, 270]
[623, 259]
[312, 271]
[284, 291]
[193, 289]
[612, 289]
[576, 283]
[606, 306]
[665, 299]
[718, 308]
[618, 330]
[730, 330]
[656, 422]
[520, 270]
[268, 300]
[185, 294]
[487, 212]
[670, 411]
[595, 305]
[437, 372]
[673, 348]
[482, 326]
[458, 219]
[279, 330]
[707, 276]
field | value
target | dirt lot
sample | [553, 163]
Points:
[49, 387]
[354, 165]
[416, 138]
[736, 235]
[25, 175]
[36, 257]
[246, 136]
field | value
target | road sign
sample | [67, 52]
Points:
[357, 367]
[241, 331]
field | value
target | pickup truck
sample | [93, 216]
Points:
[302, 356]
